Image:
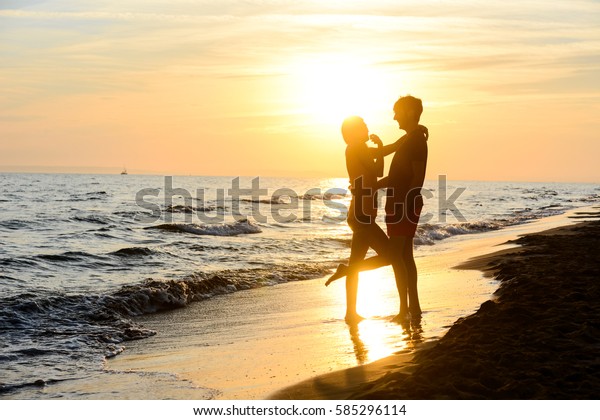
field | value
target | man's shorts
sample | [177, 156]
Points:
[407, 225]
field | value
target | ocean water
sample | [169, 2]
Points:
[83, 256]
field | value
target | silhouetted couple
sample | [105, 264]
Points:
[402, 208]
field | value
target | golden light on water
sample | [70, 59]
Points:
[376, 337]
[371, 340]
[377, 295]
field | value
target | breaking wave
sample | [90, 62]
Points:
[87, 327]
[241, 227]
[133, 252]
[428, 234]
[178, 208]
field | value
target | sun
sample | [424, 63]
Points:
[330, 89]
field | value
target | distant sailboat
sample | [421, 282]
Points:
[124, 171]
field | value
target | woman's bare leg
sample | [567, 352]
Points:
[358, 250]
[377, 240]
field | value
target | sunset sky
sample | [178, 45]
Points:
[511, 89]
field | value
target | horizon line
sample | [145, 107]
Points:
[116, 170]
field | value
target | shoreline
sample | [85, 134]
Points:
[253, 344]
[537, 338]
[267, 352]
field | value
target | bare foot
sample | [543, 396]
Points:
[353, 318]
[401, 318]
[339, 273]
[415, 313]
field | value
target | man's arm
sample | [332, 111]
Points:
[392, 147]
[381, 149]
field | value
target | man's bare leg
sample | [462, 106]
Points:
[414, 306]
[397, 255]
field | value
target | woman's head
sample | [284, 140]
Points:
[354, 130]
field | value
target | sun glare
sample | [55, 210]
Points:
[334, 88]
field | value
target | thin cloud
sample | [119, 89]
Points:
[111, 16]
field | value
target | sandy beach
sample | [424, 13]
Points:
[290, 341]
[537, 338]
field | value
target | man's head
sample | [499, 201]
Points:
[354, 130]
[407, 111]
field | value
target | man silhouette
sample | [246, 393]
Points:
[404, 202]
